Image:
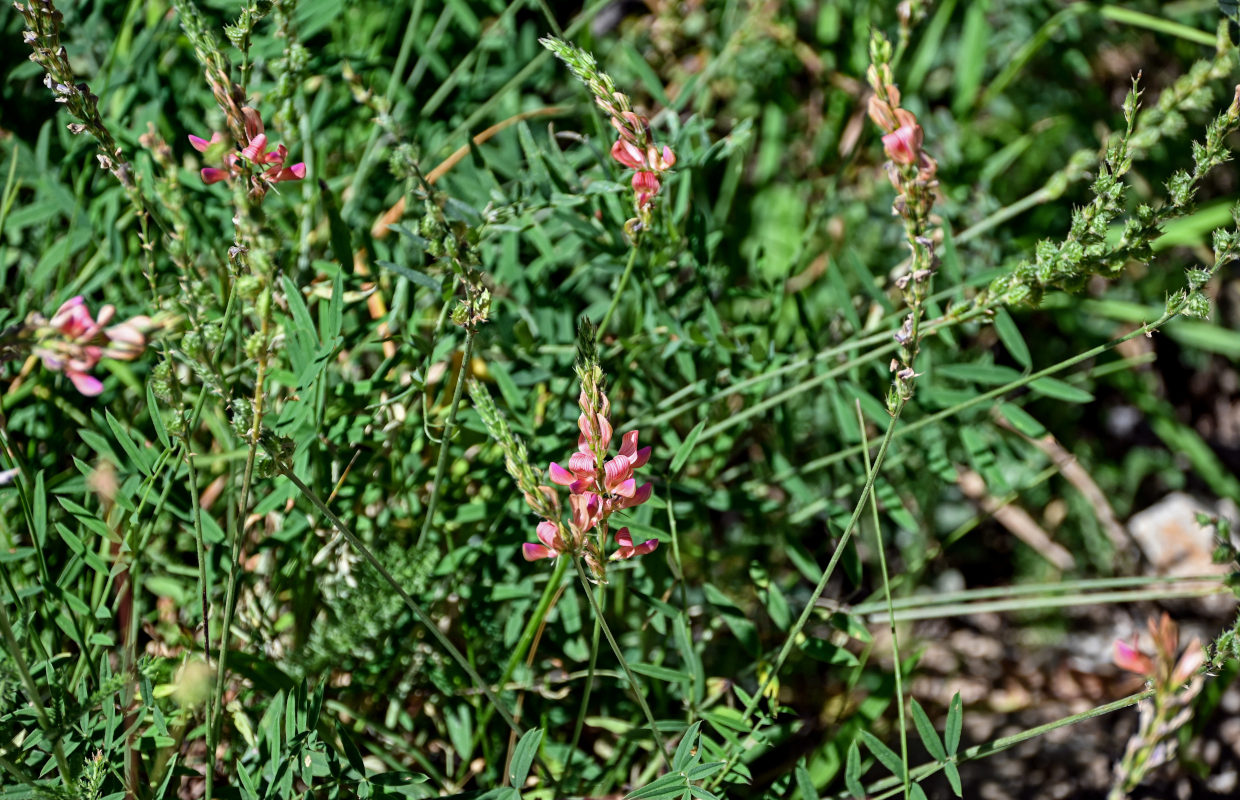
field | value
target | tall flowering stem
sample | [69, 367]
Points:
[1175, 682]
[634, 147]
[912, 172]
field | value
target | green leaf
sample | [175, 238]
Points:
[1009, 334]
[971, 60]
[823, 650]
[916, 792]
[412, 275]
[687, 751]
[686, 448]
[1059, 390]
[1021, 420]
[953, 777]
[990, 374]
[852, 771]
[341, 244]
[925, 729]
[658, 673]
[884, 754]
[951, 734]
[157, 420]
[805, 784]
[523, 756]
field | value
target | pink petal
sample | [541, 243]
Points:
[646, 182]
[256, 150]
[212, 175]
[627, 154]
[560, 475]
[628, 443]
[619, 473]
[1130, 658]
[640, 496]
[903, 144]
[533, 552]
[625, 489]
[202, 145]
[548, 533]
[253, 122]
[640, 458]
[669, 158]
[645, 547]
[86, 384]
[582, 464]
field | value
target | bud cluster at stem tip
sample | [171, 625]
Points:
[634, 147]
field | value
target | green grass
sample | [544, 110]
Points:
[279, 555]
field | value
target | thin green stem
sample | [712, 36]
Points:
[234, 558]
[203, 588]
[32, 692]
[624, 281]
[891, 612]
[1066, 601]
[417, 611]
[441, 467]
[615, 648]
[582, 708]
[985, 397]
[812, 603]
[1043, 590]
[890, 785]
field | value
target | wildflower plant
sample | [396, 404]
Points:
[1175, 680]
[280, 556]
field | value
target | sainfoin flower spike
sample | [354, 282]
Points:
[599, 485]
[268, 166]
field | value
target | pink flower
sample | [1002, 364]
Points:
[903, 145]
[73, 342]
[1128, 657]
[627, 549]
[1163, 669]
[268, 165]
[552, 543]
[635, 150]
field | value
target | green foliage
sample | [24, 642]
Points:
[277, 555]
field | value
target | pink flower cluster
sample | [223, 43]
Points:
[635, 150]
[73, 342]
[598, 487]
[902, 141]
[268, 165]
[1164, 669]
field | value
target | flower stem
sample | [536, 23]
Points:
[891, 612]
[585, 700]
[234, 558]
[615, 648]
[812, 603]
[624, 281]
[449, 425]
